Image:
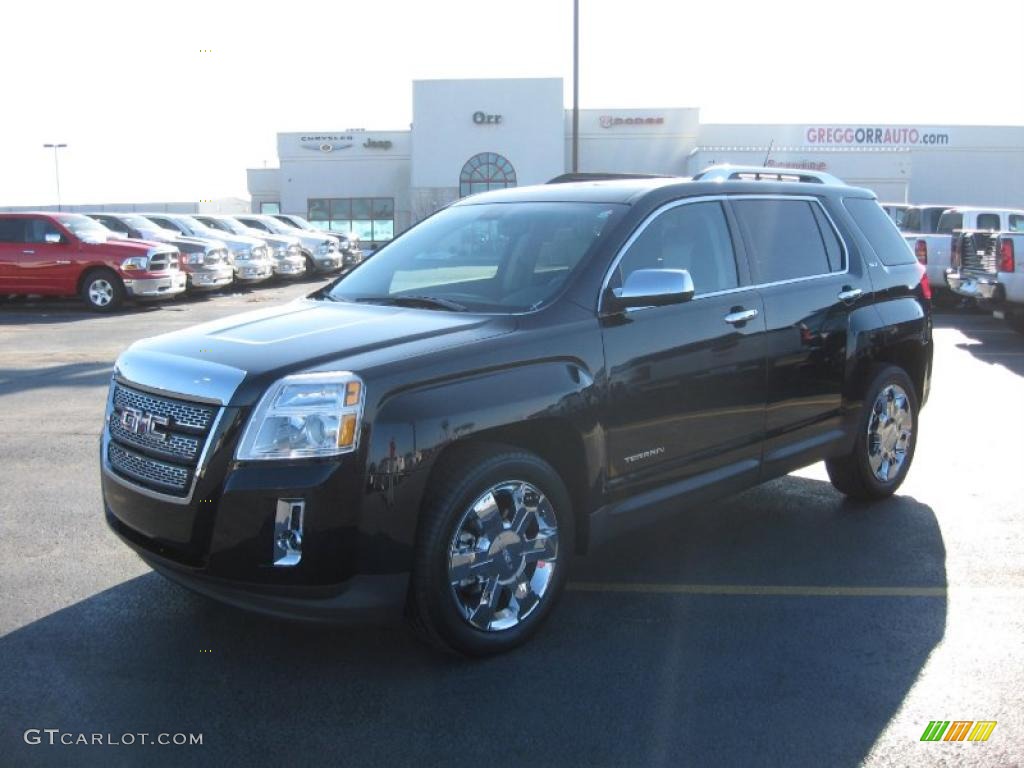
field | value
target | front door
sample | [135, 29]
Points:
[686, 382]
[46, 264]
[12, 235]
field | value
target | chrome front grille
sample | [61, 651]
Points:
[194, 416]
[155, 441]
[163, 261]
[151, 473]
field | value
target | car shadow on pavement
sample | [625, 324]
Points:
[619, 676]
[990, 340]
[85, 374]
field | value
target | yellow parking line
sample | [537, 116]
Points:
[755, 590]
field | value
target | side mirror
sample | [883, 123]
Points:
[654, 288]
[53, 237]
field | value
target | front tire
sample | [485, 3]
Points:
[492, 550]
[886, 438]
[102, 290]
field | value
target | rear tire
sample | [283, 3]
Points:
[102, 290]
[492, 550]
[886, 438]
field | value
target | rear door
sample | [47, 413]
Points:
[686, 382]
[12, 237]
[809, 286]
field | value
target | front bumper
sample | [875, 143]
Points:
[156, 287]
[253, 272]
[211, 278]
[328, 262]
[984, 288]
[290, 267]
[361, 598]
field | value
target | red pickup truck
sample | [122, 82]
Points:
[64, 254]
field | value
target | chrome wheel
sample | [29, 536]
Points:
[101, 292]
[503, 555]
[889, 431]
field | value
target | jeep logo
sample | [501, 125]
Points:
[142, 423]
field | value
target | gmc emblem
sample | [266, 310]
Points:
[143, 423]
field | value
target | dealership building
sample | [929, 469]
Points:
[469, 136]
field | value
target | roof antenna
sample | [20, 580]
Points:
[769, 153]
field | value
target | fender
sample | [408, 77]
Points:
[412, 427]
[874, 329]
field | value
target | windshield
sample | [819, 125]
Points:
[137, 222]
[86, 228]
[225, 225]
[488, 257]
[299, 222]
[197, 226]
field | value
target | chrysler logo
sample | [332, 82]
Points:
[142, 423]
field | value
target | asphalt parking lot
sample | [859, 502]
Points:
[783, 626]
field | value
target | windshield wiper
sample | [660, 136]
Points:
[422, 302]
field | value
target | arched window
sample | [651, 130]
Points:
[485, 171]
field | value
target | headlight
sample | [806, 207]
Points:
[294, 250]
[281, 253]
[196, 257]
[306, 415]
[324, 248]
[134, 263]
[242, 254]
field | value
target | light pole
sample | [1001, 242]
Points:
[56, 167]
[575, 86]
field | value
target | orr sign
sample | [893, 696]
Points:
[891, 136]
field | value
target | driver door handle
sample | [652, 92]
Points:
[29, 252]
[740, 316]
[849, 294]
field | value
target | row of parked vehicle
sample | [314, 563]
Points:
[969, 252]
[107, 258]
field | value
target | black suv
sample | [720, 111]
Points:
[516, 378]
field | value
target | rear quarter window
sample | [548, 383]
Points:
[786, 240]
[883, 237]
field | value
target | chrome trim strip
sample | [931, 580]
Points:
[721, 198]
[198, 472]
[182, 378]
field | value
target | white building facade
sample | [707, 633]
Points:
[469, 136]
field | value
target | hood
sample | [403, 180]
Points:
[149, 243]
[121, 246]
[235, 242]
[305, 334]
[274, 241]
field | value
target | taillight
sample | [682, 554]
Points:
[954, 252]
[921, 251]
[926, 286]
[1006, 260]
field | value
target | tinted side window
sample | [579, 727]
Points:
[948, 222]
[785, 239]
[1016, 223]
[885, 240]
[694, 237]
[912, 221]
[12, 230]
[989, 221]
[36, 231]
[833, 249]
[930, 220]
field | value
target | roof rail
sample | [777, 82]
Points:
[567, 178]
[757, 173]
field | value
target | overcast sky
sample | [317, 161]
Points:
[150, 116]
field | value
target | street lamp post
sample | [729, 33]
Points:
[56, 167]
[575, 86]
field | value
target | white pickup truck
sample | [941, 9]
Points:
[989, 267]
[933, 248]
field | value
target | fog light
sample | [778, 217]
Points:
[288, 522]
